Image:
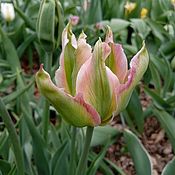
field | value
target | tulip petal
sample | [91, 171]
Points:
[93, 82]
[138, 66]
[71, 60]
[82, 54]
[63, 75]
[117, 60]
[109, 36]
[73, 109]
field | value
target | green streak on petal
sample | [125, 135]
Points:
[69, 62]
[110, 61]
[103, 94]
[93, 82]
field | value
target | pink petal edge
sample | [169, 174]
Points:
[95, 116]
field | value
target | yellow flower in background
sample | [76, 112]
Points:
[173, 3]
[130, 6]
[143, 13]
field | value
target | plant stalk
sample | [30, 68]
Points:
[82, 165]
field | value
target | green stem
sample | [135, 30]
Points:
[46, 113]
[83, 160]
[72, 156]
[14, 138]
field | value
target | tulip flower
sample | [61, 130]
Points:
[144, 13]
[7, 11]
[130, 6]
[92, 86]
[74, 20]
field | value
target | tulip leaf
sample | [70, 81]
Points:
[141, 27]
[39, 146]
[102, 134]
[118, 24]
[59, 159]
[168, 123]
[97, 161]
[168, 47]
[104, 165]
[115, 167]
[17, 93]
[10, 52]
[159, 102]
[155, 76]
[137, 113]
[169, 168]
[4, 166]
[29, 39]
[157, 29]
[95, 12]
[138, 153]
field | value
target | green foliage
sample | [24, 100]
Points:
[44, 147]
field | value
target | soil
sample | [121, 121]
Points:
[154, 140]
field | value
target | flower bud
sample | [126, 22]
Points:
[7, 11]
[130, 6]
[74, 20]
[50, 24]
[144, 13]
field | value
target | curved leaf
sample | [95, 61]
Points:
[138, 153]
[169, 168]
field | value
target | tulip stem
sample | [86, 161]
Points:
[122, 120]
[46, 113]
[72, 155]
[83, 160]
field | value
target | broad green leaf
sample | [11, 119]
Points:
[167, 81]
[10, 52]
[159, 102]
[118, 25]
[95, 12]
[13, 137]
[142, 162]
[17, 93]
[102, 134]
[4, 166]
[39, 147]
[115, 167]
[97, 161]
[106, 164]
[137, 113]
[26, 19]
[141, 27]
[59, 159]
[157, 29]
[155, 76]
[168, 123]
[169, 168]
[168, 48]
[21, 49]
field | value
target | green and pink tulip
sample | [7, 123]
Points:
[92, 85]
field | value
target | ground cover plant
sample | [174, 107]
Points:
[96, 131]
